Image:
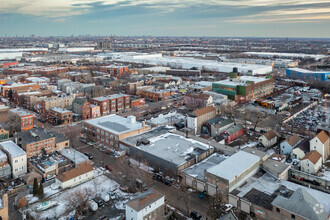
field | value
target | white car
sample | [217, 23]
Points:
[227, 207]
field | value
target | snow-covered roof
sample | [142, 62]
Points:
[13, 149]
[116, 124]
[234, 166]
[74, 155]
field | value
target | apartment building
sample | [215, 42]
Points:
[112, 103]
[108, 130]
[82, 107]
[60, 116]
[198, 117]
[114, 71]
[58, 101]
[26, 118]
[9, 90]
[155, 95]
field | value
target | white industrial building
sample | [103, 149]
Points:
[286, 55]
[17, 157]
[6, 55]
[75, 49]
[188, 63]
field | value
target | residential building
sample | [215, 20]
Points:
[26, 118]
[60, 116]
[5, 168]
[58, 101]
[198, 117]
[321, 143]
[244, 88]
[147, 205]
[300, 205]
[137, 103]
[4, 206]
[231, 173]
[95, 111]
[155, 95]
[108, 130]
[17, 158]
[303, 74]
[216, 126]
[288, 144]
[35, 141]
[268, 139]
[231, 133]
[4, 134]
[301, 149]
[131, 88]
[198, 100]
[112, 103]
[114, 71]
[311, 162]
[183, 72]
[73, 155]
[38, 80]
[82, 107]
[7, 90]
[277, 168]
[81, 173]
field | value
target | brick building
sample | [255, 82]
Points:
[4, 206]
[60, 116]
[155, 95]
[58, 101]
[112, 103]
[199, 100]
[95, 111]
[82, 107]
[5, 90]
[114, 71]
[137, 103]
[108, 130]
[26, 118]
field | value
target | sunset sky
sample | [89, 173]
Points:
[221, 18]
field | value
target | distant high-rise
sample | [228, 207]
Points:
[105, 45]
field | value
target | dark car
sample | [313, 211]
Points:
[168, 182]
[157, 177]
[99, 202]
[195, 215]
[263, 131]
[89, 155]
[108, 167]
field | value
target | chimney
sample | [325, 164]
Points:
[187, 134]
[143, 124]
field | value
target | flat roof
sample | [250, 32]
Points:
[169, 146]
[13, 149]
[116, 124]
[307, 71]
[234, 165]
[197, 170]
[20, 112]
[74, 155]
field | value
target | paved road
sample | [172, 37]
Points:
[13, 213]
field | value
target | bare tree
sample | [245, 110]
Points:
[77, 200]
[14, 123]
[229, 111]
[215, 206]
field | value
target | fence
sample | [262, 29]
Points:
[309, 180]
[298, 113]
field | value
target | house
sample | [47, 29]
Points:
[199, 100]
[95, 111]
[301, 149]
[268, 139]
[277, 168]
[147, 205]
[82, 107]
[215, 126]
[300, 205]
[17, 158]
[311, 162]
[59, 116]
[80, 174]
[4, 206]
[196, 119]
[289, 143]
[321, 143]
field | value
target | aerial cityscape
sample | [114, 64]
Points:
[138, 110]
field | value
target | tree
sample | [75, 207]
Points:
[35, 187]
[77, 200]
[214, 210]
[41, 190]
[14, 123]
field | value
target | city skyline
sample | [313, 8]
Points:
[244, 18]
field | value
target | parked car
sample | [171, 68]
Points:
[108, 167]
[89, 155]
[92, 205]
[195, 215]
[227, 207]
[99, 202]
[105, 197]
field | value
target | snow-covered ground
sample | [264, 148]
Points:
[325, 174]
[140, 165]
[91, 189]
[250, 144]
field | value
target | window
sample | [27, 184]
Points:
[278, 210]
[293, 216]
[16, 161]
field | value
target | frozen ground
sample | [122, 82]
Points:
[93, 187]
[325, 175]
[250, 144]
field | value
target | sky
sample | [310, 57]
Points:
[213, 18]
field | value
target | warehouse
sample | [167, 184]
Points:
[165, 151]
[285, 55]
[298, 73]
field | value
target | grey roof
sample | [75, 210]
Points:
[34, 135]
[13, 149]
[228, 216]
[275, 167]
[220, 121]
[74, 155]
[303, 204]
[198, 169]
[79, 101]
[304, 145]
[257, 152]
[233, 129]
[234, 165]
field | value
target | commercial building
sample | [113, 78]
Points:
[167, 152]
[196, 119]
[17, 158]
[58, 116]
[82, 107]
[148, 205]
[303, 74]
[184, 72]
[5, 168]
[26, 118]
[244, 88]
[114, 71]
[43, 70]
[109, 130]
[232, 172]
[285, 55]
